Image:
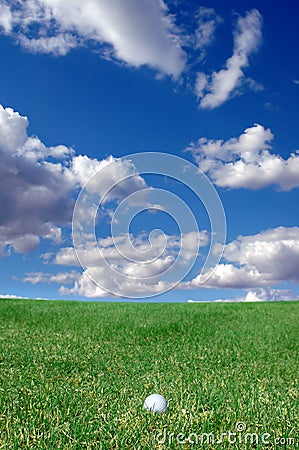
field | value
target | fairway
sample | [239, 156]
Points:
[75, 375]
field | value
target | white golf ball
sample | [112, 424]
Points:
[156, 403]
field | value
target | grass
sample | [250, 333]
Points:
[75, 375]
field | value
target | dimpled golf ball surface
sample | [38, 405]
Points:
[156, 403]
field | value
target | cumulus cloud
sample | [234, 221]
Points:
[214, 90]
[246, 161]
[34, 192]
[269, 294]
[274, 253]
[58, 45]
[260, 260]
[114, 178]
[85, 287]
[139, 261]
[60, 277]
[38, 184]
[18, 297]
[6, 18]
[250, 262]
[228, 276]
[264, 295]
[136, 32]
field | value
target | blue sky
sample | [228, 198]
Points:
[83, 85]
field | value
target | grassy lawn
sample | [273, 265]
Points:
[75, 375]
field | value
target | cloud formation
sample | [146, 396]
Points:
[34, 192]
[246, 161]
[268, 294]
[214, 90]
[254, 262]
[60, 277]
[260, 260]
[38, 184]
[140, 261]
[136, 32]
[264, 295]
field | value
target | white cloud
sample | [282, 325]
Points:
[58, 45]
[6, 19]
[274, 253]
[268, 294]
[138, 32]
[13, 128]
[38, 184]
[264, 295]
[208, 21]
[85, 287]
[66, 256]
[228, 276]
[260, 260]
[295, 81]
[220, 86]
[116, 178]
[246, 162]
[60, 278]
[131, 288]
[12, 296]
[197, 31]
[34, 192]
[139, 261]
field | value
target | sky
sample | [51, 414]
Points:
[149, 150]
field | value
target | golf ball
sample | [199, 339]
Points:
[156, 403]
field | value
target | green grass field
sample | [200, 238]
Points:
[75, 375]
